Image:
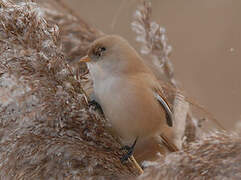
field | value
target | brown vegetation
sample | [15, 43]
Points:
[216, 156]
[47, 128]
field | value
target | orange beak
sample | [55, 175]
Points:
[85, 59]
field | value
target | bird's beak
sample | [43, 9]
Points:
[85, 59]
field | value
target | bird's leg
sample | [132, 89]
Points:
[96, 105]
[130, 150]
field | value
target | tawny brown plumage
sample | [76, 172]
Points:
[127, 91]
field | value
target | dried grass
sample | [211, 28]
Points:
[48, 130]
[154, 40]
[216, 156]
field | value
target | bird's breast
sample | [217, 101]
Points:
[129, 106]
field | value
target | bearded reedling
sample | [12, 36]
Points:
[128, 93]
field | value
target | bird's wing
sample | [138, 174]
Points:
[165, 106]
[169, 118]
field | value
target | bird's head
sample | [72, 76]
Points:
[112, 53]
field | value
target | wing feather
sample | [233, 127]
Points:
[166, 107]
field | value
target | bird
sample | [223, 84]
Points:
[128, 92]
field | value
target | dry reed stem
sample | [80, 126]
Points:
[136, 164]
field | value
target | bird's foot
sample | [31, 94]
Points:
[128, 154]
[96, 106]
[129, 151]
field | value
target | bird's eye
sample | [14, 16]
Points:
[102, 49]
[98, 52]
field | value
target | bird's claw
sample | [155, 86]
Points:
[96, 106]
[128, 154]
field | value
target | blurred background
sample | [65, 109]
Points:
[206, 39]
